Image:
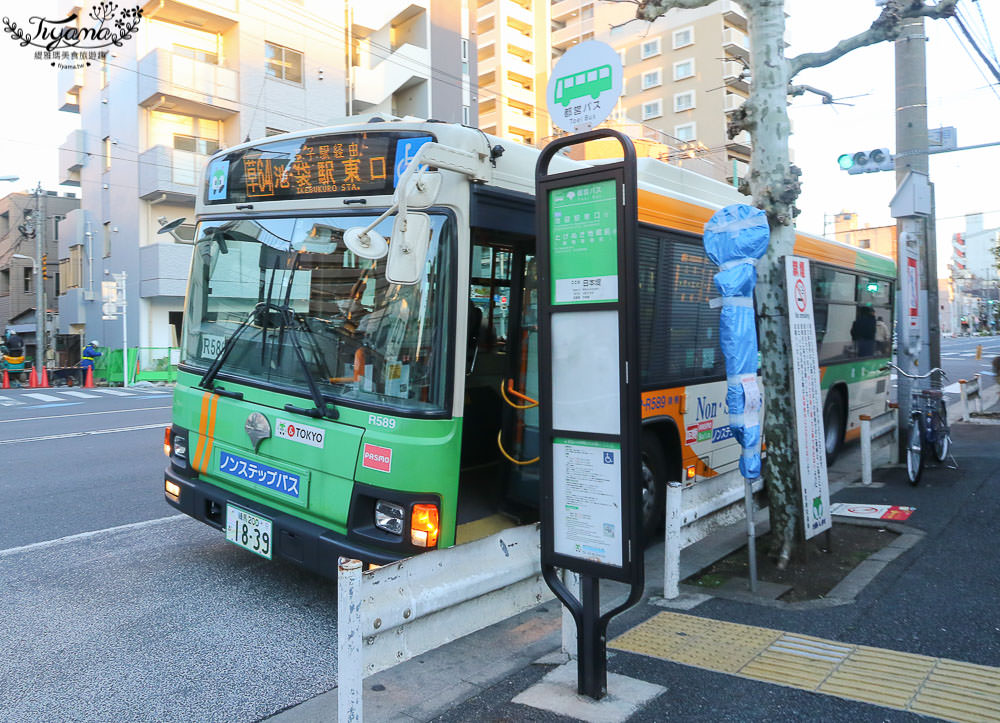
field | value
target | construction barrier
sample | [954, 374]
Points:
[145, 364]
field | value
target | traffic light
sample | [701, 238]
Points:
[45, 266]
[879, 159]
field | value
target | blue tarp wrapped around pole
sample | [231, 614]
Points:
[735, 237]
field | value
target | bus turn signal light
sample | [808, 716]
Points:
[424, 525]
[690, 472]
[166, 441]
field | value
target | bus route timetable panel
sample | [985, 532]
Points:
[583, 228]
[343, 164]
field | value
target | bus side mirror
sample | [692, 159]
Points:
[411, 234]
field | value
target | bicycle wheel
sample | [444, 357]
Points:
[915, 449]
[940, 433]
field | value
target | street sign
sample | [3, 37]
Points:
[808, 397]
[584, 86]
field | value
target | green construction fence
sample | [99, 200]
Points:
[145, 364]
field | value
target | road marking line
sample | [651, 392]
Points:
[43, 397]
[80, 395]
[115, 392]
[160, 425]
[87, 535]
[78, 414]
[938, 687]
[54, 404]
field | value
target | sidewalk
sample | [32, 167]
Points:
[936, 599]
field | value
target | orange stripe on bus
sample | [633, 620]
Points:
[823, 250]
[672, 213]
[201, 430]
[207, 457]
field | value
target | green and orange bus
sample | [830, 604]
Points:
[359, 343]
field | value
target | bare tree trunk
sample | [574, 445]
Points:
[774, 187]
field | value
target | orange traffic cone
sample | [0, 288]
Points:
[89, 380]
[6, 380]
[32, 379]
[44, 383]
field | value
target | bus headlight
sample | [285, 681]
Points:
[389, 517]
[180, 446]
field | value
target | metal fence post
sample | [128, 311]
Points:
[979, 394]
[672, 541]
[350, 664]
[965, 398]
[866, 449]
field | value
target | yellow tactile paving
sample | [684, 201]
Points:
[947, 689]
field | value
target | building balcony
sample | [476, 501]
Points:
[377, 82]
[734, 76]
[733, 14]
[736, 43]
[733, 101]
[72, 157]
[485, 66]
[377, 15]
[170, 175]
[212, 16]
[177, 84]
[564, 10]
[517, 92]
[740, 144]
[568, 36]
[69, 81]
[520, 18]
[487, 10]
[521, 68]
[519, 43]
[164, 269]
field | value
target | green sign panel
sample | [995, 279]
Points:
[583, 243]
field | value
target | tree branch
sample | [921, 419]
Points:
[652, 9]
[886, 27]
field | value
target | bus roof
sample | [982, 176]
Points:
[669, 195]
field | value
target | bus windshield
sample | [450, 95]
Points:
[298, 304]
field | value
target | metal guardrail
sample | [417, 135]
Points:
[970, 390]
[872, 429]
[390, 614]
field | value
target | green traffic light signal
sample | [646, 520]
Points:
[846, 161]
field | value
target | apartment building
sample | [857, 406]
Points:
[202, 75]
[412, 58]
[880, 239]
[19, 214]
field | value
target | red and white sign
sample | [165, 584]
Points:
[377, 458]
[871, 512]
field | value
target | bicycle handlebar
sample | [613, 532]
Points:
[915, 376]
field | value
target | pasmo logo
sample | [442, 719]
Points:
[377, 458]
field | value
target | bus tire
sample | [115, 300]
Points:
[834, 420]
[653, 481]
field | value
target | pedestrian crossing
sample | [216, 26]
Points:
[62, 397]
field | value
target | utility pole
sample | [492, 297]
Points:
[39, 285]
[911, 155]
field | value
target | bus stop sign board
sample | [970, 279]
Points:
[584, 86]
[589, 388]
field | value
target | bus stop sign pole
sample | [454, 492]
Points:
[589, 411]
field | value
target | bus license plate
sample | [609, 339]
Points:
[249, 531]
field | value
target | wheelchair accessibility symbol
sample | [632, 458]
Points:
[609, 458]
[406, 149]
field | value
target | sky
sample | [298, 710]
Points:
[959, 95]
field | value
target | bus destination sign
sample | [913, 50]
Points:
[344, 164]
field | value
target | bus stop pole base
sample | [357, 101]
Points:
[751, 532]
[592, 662]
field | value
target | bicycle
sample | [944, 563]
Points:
[928, 428]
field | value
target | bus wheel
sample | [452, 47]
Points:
[654, 468]
[834, 417]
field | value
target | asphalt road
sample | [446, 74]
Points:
[117, 608]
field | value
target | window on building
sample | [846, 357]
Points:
[74, 270]
[202, 56]
[204, 146]
[686, 132]
[107, 239]
[27, 273]
[684, 69]
[649, 48]
[273, 131]
[465, 56]
[283, 63]
[683, 37]
[587, 12]
[622, 54]
[651, 79]
[683, 101]
[4, 282]
[653, 109]
[865, 243]
[55, 226]
[107, 153]
[465, 115]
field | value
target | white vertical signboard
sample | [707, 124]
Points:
[807, 397]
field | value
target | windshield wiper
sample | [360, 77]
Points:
[213, 370]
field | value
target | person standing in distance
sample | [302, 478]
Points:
[90, 354]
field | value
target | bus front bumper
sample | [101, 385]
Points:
[311, 546]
